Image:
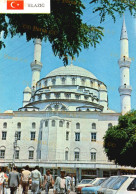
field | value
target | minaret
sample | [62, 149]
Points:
[36, 65]
[124, 64]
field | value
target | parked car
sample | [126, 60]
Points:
[82, 184]
[107, 184]
[94, 188]
[125, 184]
[91, 184]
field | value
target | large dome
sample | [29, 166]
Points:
[71, 70]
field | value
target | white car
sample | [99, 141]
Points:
[125, 184]
[107, 184]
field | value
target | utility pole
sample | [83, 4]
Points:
[14, 148]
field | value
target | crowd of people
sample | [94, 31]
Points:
[19, 183]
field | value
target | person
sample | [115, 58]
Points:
[36, 180]
[72, 183]
[48, 181]
[61, 185]
[2, 178]
[13, 180]
[25, 179]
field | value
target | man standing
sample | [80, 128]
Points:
[25, 179]
[48, 181]
[36, 180]
[13, 180]
[72, 183]
[61, 185]
[2, 178]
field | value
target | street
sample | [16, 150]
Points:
[29, 192]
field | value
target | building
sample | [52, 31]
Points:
[64, 119]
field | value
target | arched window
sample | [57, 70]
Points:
[68, 95]
[46, 123]
[19, 125]
[53, 81]
[39, 97]
[91, 83]
[83, 81]
[60, 123]
[67, 124]
[47, 96]
[5, 125]
[53, 123]
[63, 80]
[33, 125]
[93, 125]
[57, 95]
[56, 106]
[109, 125]
[77, 125]
[45, 83]
[73, 81]
[39, 85]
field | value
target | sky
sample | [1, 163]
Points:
[102, 61]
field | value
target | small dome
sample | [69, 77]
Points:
[71, 70]
[27, 89]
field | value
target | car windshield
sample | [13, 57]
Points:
[109, 182]
[98, 182]
[119, 181]
[85, 181]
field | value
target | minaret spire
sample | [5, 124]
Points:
[36, 65]
[124, 64]
[124, 34]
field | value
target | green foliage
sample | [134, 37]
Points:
[64, 27]
[110, 7]
[120, 140]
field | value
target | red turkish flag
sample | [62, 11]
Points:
[15, 4]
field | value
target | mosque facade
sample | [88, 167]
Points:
[64, 118]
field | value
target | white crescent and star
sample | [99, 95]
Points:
[13, 5]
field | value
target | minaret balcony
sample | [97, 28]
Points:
[124, 62]
[125, 90]
[36, 65]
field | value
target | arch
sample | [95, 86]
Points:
[4, 125]
[77, 149]
[53, 81]
[53, 123]
[18, 125]
[45, 83]
[63, 79]
[73, 81]
[93, 125]
[56, 107]
[77, 125]
[31, 148]
[67, 124]
[60, 123]
[109, 125]
[46, 123]
[93, 150]
[83, 81]
[66, 149]
[2, 148]
[18, 148]
[33, 125]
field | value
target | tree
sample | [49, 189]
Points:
[64, 27]
[120, 140]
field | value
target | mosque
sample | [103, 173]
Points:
[64, 118]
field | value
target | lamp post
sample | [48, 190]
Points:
[14, 148]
